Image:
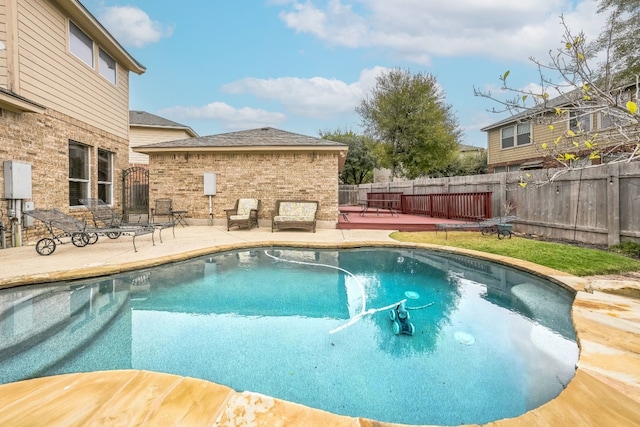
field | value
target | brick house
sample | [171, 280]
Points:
[264, 163]
[64, 102]
[146, 128]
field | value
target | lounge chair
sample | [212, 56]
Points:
[244, 214]
[77, 231]
[105, 217]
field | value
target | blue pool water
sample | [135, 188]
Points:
[490, 341]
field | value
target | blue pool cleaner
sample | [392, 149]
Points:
[400, 318]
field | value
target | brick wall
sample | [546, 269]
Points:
[42, 140]
[267, 176]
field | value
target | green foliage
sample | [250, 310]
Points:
[360, 162]
[463, 166]
[627, 248]
[408, 115]
[620, 40]
[572, 259]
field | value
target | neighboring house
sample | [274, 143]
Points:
[146, 128]
[64, 102]
[265, 163]
[470, 151]
[515, 143]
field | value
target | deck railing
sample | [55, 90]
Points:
[469, 206]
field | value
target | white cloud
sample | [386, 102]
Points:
[416, 30]
[132, 26]
[313, 97]
[228, 117]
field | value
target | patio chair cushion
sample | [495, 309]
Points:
[244, 208]
[296, 211]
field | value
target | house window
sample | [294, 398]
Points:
[80, 44]
[579, 121]
[106, 66]
[518, 134]
[606, 121]
[105, 176]
[78, 172]
[524, 134]
[507, 137]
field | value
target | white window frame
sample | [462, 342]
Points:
[577, 117]
[81, 176]
[81, 45]
[518, 132]
[105, 181]
[107, 66]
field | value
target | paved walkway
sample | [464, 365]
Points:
[604, 392]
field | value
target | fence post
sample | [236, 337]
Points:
[502, 196]
[613, 204]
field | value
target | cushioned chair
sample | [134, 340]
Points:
[244, 214]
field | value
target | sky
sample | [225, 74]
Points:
[220, 66]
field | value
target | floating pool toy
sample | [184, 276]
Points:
[400, 318]
[412, 295]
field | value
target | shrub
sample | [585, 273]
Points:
[627, 248]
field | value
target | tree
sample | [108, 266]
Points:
[619, 40]
[464, 166]
[360, 161]
[567, 101]
[408, 115]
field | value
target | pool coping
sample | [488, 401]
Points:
[604, 391]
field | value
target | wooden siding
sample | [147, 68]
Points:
[139, 135]
[496, 154]
[540, 134]
[54, 77]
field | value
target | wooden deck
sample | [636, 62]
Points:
[350, 218]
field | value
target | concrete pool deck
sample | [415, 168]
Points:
[606, 315]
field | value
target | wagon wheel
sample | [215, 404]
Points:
[113, 234]
[485, 231]
[45, 246]
[79, 239]
[503, 234]
[92, 238]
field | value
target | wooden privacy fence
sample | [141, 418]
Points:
[385, 201]
[595, 205]
[468, 206]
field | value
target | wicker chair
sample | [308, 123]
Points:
[244, 214]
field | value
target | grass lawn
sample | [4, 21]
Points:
[575, 260]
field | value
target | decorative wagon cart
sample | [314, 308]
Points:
[499, 225]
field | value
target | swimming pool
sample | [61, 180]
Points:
[490, 341]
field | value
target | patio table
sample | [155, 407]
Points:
[379, 204]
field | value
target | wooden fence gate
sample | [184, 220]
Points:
[135, 195]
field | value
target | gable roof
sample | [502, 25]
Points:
[465, 147]
[144, 119]
[261, 139]
[559, 101]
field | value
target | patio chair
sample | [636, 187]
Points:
[244, 214]
[163, 208]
